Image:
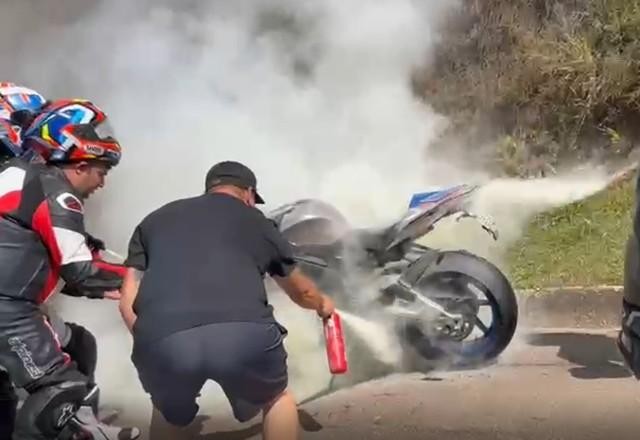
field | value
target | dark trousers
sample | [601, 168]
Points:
[29, 347]
[32, 358]
[246, 359]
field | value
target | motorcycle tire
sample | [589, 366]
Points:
[441, 352]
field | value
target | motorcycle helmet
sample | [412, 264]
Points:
[68, 131]
[19, 104]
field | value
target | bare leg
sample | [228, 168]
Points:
[281, 419]
[162, 430]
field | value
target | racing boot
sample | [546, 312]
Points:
[85, 426]
[93, 400]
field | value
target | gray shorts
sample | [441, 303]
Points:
[246, 359]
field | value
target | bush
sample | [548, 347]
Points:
[556, 80]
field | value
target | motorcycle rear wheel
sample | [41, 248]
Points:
[452, 273]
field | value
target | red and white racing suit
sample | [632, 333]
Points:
[42, 239]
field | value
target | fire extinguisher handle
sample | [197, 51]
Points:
[327, 308]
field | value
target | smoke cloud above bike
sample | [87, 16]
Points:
[314, 96]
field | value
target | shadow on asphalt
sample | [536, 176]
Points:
[307, 423]
[596, 356]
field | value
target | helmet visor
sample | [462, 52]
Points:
[104, 130]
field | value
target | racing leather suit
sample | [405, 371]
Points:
[629, 336]
[42, 238]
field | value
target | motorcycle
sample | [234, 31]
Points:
[435, 297]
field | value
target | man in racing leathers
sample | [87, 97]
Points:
[19, 103]
[19, 106]
[43, 238]
[629, 337]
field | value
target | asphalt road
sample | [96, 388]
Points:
[552, 384]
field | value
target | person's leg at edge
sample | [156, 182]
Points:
[8, 406]
[280, 418]
[57, 391]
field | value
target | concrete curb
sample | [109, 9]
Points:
[572, 307]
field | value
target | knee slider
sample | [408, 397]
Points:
[629, 338]
[83, 349]
[46, 411]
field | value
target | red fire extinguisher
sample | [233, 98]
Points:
[336, 349]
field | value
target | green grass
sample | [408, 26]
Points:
[580, 244]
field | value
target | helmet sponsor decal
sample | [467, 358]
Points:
[95, 150]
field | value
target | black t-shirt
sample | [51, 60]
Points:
[204, 260]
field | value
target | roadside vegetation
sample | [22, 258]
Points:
[544, 82]
[540, 84]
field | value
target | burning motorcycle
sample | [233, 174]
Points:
[438, 299]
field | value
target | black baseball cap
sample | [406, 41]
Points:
[232, 173]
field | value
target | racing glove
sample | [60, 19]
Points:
[98, 276]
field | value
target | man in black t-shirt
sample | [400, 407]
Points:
[195, 301]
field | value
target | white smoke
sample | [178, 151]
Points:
[339, 128]
[313, 95]
[510, 204]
